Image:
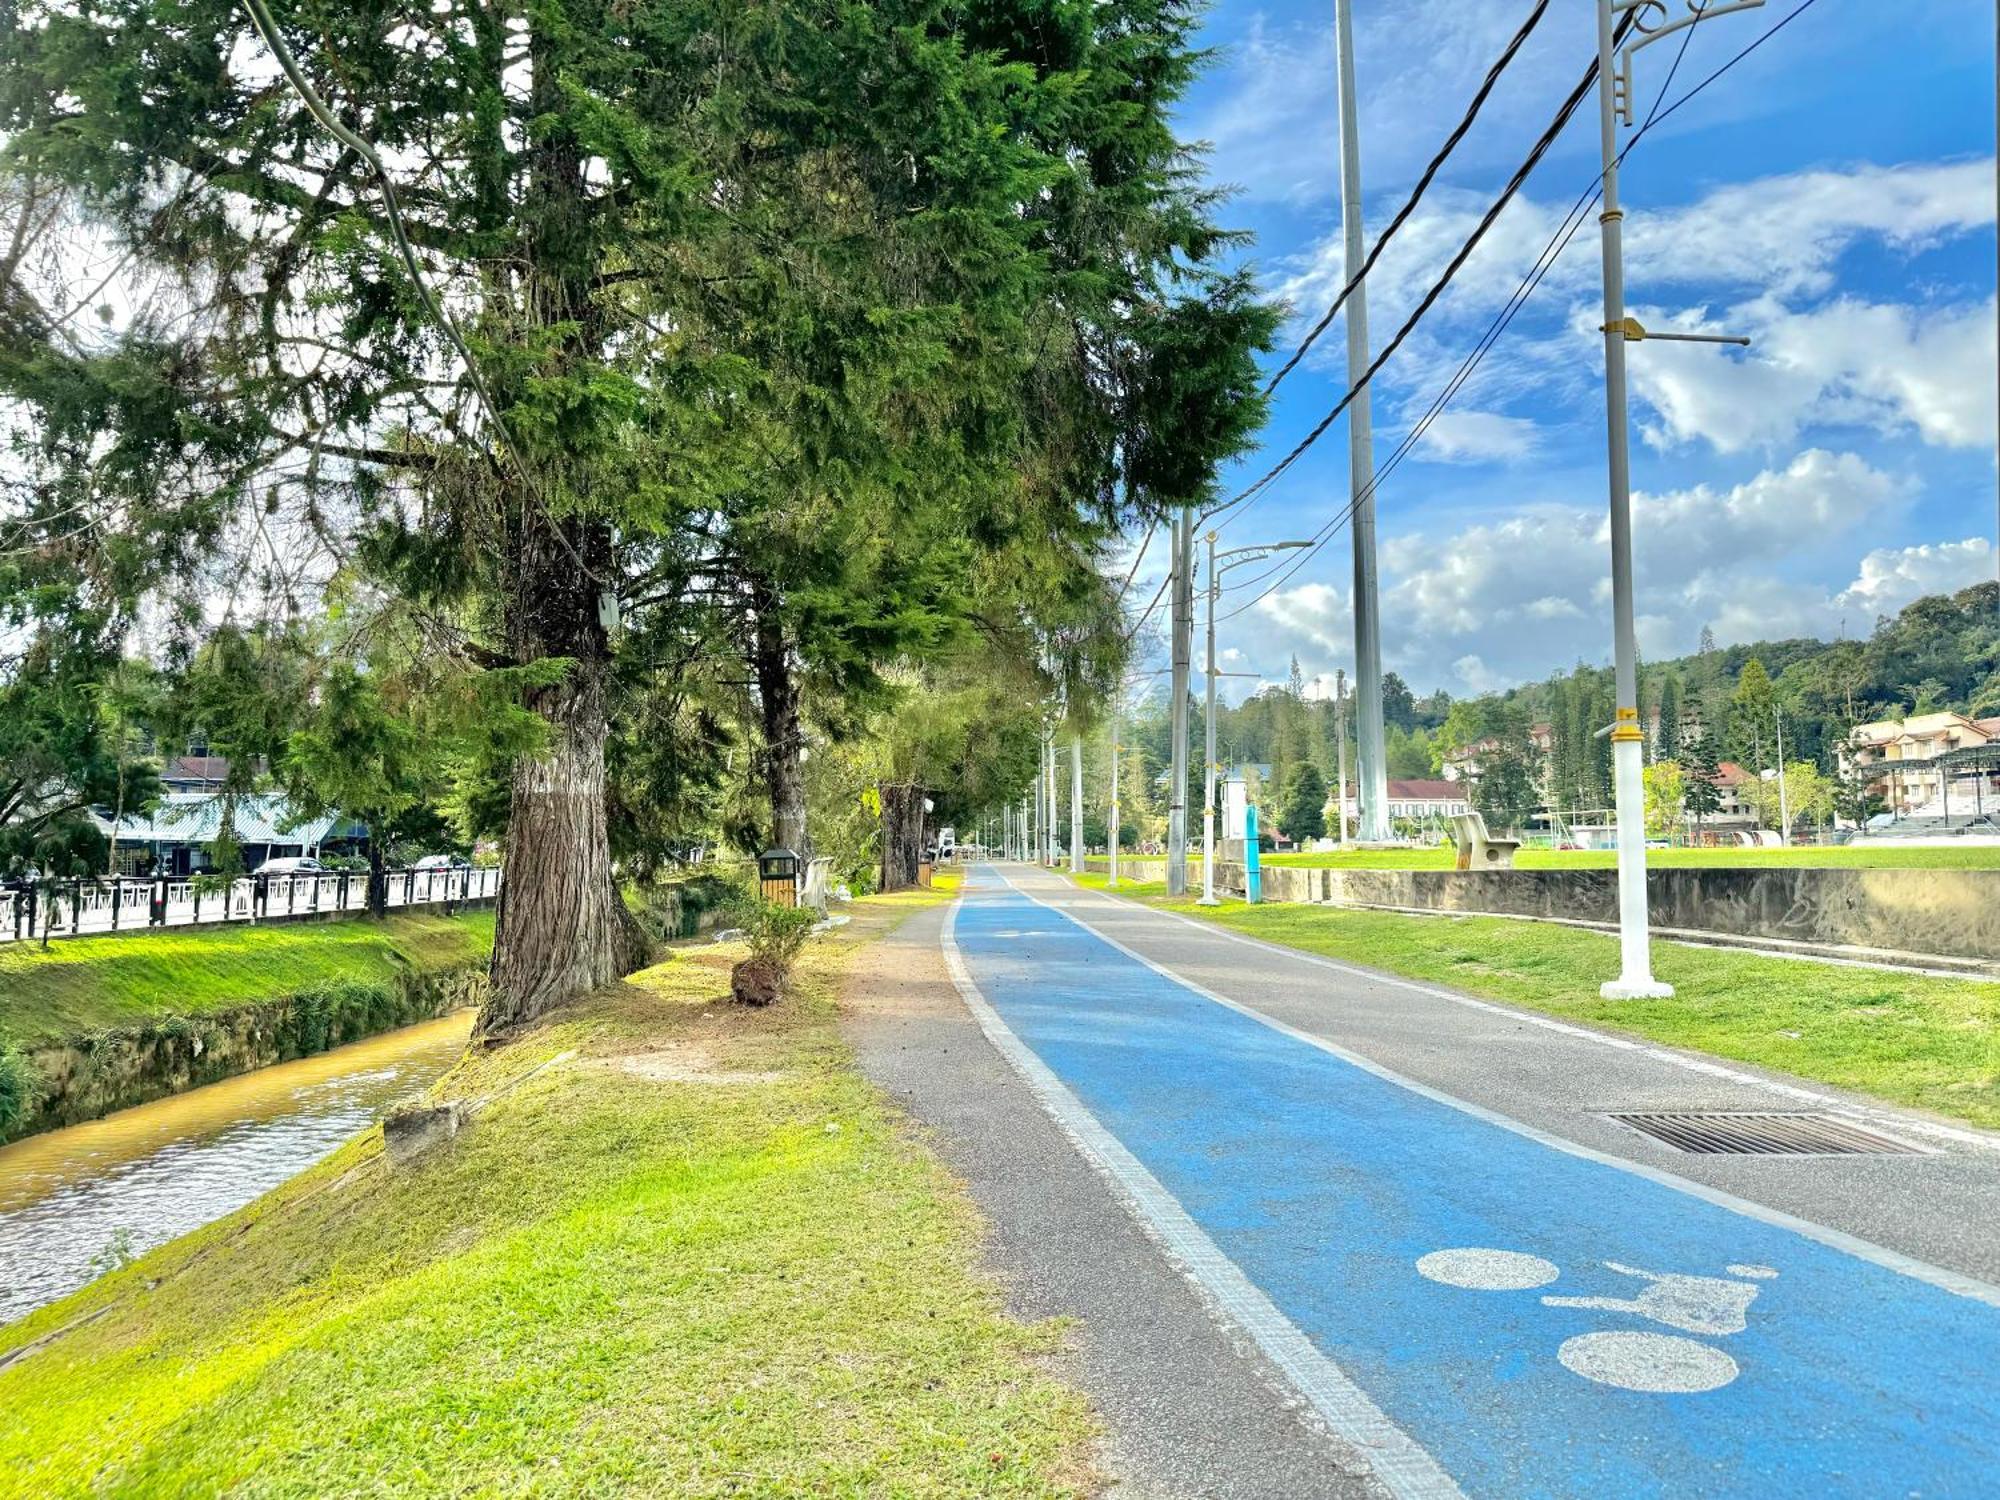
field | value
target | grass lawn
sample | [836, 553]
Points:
[1932, 1043]
[1834, 855]
[81, 985]
[693, 1255]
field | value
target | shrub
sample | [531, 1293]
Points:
[20, 1087]
[777, 933]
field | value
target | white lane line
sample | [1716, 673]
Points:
[1397, 1460]
[1955, 1282]
[1893, 1119]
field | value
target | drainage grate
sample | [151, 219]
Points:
[1708, 1134]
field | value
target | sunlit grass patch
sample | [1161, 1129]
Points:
[617, 1279]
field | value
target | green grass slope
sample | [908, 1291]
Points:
[685, 1250]
[81, 985]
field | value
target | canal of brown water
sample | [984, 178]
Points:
[74, 1202]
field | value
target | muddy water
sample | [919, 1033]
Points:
[72, 1201]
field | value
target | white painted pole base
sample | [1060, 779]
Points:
[1636, 982]
[1208, 856]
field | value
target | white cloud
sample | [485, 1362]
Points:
[1275, 130]
[1500, 601]
[1479, 437]
[1892, 368]
[1924, 365]
[1890, 577]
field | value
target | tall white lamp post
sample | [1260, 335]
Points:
[1614, 96]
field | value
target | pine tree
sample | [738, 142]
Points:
[775, 331]
[1667, 741]
[1304, 815]
[1700, 794]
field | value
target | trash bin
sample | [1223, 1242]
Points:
[778, 876]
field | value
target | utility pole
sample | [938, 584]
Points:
[1216, 568]
[1075, 803]
[1372, 773]
[1614, 98]
[1208, 755]
[1784, 802]
[1635, 980]
[1183, 649]
[1117, 825]
[1340, 740]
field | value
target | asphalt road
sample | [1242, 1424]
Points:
[1326, 1231]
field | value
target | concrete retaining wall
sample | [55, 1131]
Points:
[1955, 913]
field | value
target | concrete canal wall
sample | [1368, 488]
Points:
[1949, 913]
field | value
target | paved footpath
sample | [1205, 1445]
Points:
[1413, 1206]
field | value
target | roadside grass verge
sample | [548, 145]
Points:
[88, 984]
[1906, 1038]
[685, 1250]
[1832, 856]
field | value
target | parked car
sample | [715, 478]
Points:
[291, 864]
[442, 862]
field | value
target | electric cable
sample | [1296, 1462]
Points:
[1416, 194]
[1535, 155]
[1567, 231]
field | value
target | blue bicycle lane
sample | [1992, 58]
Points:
[1724, 1355]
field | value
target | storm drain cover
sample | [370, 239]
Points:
[1772, 1134]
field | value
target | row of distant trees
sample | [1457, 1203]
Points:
[1719, 704]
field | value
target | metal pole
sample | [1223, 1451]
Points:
[1784, 804]
[1340, 740]
[1076, 804]
[1049, 842]
[1208, 720]
[1372, 771]
[1183, 644]
[1635, 981]
[1117, 825]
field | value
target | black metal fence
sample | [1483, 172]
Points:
[40, 909]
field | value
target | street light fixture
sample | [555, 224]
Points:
[1614, 96]
[1218, 564]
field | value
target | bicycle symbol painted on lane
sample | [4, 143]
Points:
[1630, 1359]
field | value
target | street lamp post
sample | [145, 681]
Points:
[1075, 804]
[1614, 100]
[1217, 566]
[1340, 755]
[1117, 823]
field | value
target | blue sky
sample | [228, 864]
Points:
[1832, 197]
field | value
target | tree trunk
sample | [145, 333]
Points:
[378, 877]
[559, 932]
[778, 702]
[562, 929]
[902, 835]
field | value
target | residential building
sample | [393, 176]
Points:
[1920, 790]
[1420, 801]
[175, 838]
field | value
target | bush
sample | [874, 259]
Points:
[20, 1087]
[777, 933]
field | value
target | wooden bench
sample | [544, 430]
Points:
[1477, 850]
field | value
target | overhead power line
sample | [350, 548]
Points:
[1541, 148]
[268, 28]
[1572, 223]
[1416, 194]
